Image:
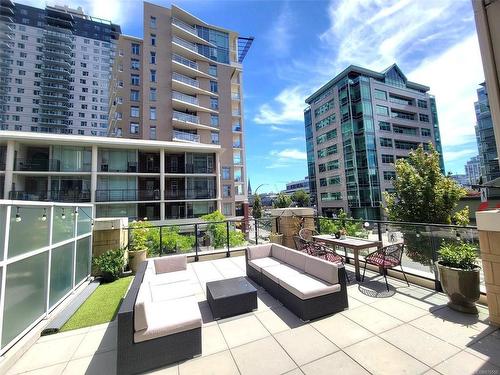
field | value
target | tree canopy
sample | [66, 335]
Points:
[301, 198]
[282, 201]
[257, 207]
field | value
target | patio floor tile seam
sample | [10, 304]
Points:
[343, 351]
[372, 332]
[228, 348]
[465, 351]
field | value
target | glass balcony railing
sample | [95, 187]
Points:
[184, 79]
[185, 43]
[184, 136]
[183, 25]
[184, 61]
[236, 112]
[179, 116]
[236, 128]
[185, 98]
[235, 96]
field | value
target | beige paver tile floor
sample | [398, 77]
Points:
[406, 330]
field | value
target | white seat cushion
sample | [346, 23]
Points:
[326, 271]
[169, 317]
[170, 291]
[276, 272]
[306, 286]
[261, 263]
[170, 277]
[258, 251]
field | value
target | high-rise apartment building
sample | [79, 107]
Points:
[485, 136]
[473, 170]
[55, 69]
[183, 83]
[357, 125]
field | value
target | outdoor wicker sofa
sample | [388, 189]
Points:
[310, 287]
[159, 321]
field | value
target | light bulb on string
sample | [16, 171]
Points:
[18, 216]
[44, 216]
[63, 214]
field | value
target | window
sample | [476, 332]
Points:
[212, 70]
[152, 75]
[226, 191]
[152, 94]
[152, 22]
[380, 94]
[227, 209]
[134, 95]
[326, 197]
[405, 145]
[422, 103]
[134, 79]
[325, 122]
[135, 64]
[326, 137]
[400, 100]
[135, 48]
[153, 39]
[389, 175]
[152, 132]
[334, 180]
[425, 132]
[214, 103]
[226, 173]
[134, 111]
[327, 151]
[215, 138]
[384, 125]
[407, 130]
[152, 113]
[214, 87]
[322, 182]
[152, 57]
[403, 115]
[387, 159]
[382, 110]
[214, 120]
[423, 118]
[386, 142]
[134, 128]
[323, 108]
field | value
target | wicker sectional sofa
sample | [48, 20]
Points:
[310, 287]
[159, 321]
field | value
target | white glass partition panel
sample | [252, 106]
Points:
[83, 253]
[64, 224]
[61, 272]
[84, 224]
[3, 217]
[31, 232]
[25, 295]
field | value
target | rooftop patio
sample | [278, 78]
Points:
[406, 330]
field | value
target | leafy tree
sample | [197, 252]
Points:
[257, 207]
[282, 201]
[343, 221]
[422, 193]
[301, 198]
[218, 231]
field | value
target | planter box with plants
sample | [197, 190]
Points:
[110, 264]
[459, 275]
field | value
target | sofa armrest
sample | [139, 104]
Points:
[171, 263]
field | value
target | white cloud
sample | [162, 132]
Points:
[280, 35]
[290, 154]
[287, 107]
[286, 158]
[454, 155]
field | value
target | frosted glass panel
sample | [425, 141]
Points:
[82, 259]
[64, 224]
[61, 272]
[31, 233]
[3, 214]
[25, 295]
[84, 220]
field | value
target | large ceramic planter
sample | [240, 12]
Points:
[461, 286]
[276, 238]
[135, 258]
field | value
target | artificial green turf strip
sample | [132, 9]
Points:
[101, 307]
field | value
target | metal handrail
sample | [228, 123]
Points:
[185, 61]
[185, 117]
[184, 25]
[187, 80]
[183, 136]
[117, 195]
[185, 43]
[185, 98]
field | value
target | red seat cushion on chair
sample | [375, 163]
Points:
[382, 261]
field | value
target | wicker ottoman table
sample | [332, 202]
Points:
[231, 297]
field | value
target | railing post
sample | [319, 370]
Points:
[161, 242]
[129, 238]
[228, 254]
[256, 232]
[379, 231]
[437, 283]
[196, 257]
[277, 224]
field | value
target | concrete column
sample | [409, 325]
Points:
[93, 176]
[290, 221]
[488, 225]
[162, 184]
[9, 168]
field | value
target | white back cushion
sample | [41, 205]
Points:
[258, 251]
[279, 252]
[142, 303]
[322, 269]
[170, 263]
[296, 258]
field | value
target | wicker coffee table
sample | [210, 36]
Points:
[231, 297]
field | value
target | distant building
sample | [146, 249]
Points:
[461, 179]
[249, 188]
[473, 170]
[293, 186]
[485, 136]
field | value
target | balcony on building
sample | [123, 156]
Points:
[149, 162]
[117, 161]
[183, 65]
[127, 188]
[188, 85]
[187, 49]
[189, 210]
[185, 136]
[53, 189]
[237, 127]
[187, 32]
[188, 120]
[3, 156]
[184, 102]
[52, 159]
[187, 188]
[190, 163]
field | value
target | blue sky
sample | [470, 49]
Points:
[300, 45]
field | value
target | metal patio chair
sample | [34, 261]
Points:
[387, 257]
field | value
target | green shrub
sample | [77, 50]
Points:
[352, 228]
[172, 240]
[111, 263]
[217, 230]
[141, 236]
[461, 255]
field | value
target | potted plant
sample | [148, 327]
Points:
[136, 256]
[138, 246]
[342, 233]
[110, 264]
[459, 275]
[276, 238]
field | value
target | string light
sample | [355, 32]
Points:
[367, 224]
[44, 216]
[18, 216]
[63, 215]
[76, 211]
